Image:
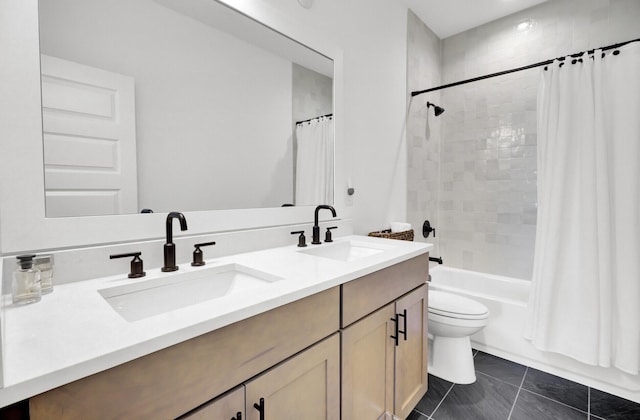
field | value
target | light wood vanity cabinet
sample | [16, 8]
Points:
[306, 386]
[411, 352]
[365, 295]
[226, 407]
[290, 356]
[176, 380]
[367, 366]
[380, 378]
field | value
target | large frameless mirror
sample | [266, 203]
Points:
[156, 105]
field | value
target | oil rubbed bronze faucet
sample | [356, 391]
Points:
[316, 227]
[169, 246]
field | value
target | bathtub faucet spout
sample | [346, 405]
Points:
[436, 259]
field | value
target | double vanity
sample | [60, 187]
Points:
[330, 330]
[304, 330]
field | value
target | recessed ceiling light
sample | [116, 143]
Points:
[524, 25]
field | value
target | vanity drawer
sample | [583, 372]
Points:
[173, 381]
[366, 294]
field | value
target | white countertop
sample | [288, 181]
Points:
[73, 332]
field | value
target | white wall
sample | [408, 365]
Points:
[213, 113]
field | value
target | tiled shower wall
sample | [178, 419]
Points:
[486, 192]
[423, 132]
[312, 93]
[488, 189]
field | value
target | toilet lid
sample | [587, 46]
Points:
[456, 306]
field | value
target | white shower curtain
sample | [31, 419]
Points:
[314, 162]
[585, 300]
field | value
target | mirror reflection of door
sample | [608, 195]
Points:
[89, 140]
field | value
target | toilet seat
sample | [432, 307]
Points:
[450, 305]
[458, 322]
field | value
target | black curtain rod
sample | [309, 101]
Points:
[530, 66]
[315, 118]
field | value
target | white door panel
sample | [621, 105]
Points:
[89, 140]
[64, 150]
[92, 203]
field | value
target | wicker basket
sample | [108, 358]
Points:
[406, 235]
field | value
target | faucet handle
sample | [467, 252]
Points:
[198, 255]
[427, 229]
[137, 265]
[302, 240]
[327, 235]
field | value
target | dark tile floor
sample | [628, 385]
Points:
[509, 391]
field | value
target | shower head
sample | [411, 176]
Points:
[438, 110]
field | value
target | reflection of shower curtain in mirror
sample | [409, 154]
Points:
[314, 162]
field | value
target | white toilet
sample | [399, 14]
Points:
[452, 319]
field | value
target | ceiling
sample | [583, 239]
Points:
[449, 17]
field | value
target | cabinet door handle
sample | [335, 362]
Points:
[260, 408]
[404, 319]
[395, 321]
[238, 416]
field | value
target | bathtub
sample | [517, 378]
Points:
[507, 300]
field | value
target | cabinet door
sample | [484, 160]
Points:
[411, 353]
[306, 386]
[367, 366]
[226, 407]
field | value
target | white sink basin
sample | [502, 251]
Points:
[156, 296]
[347, 250]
